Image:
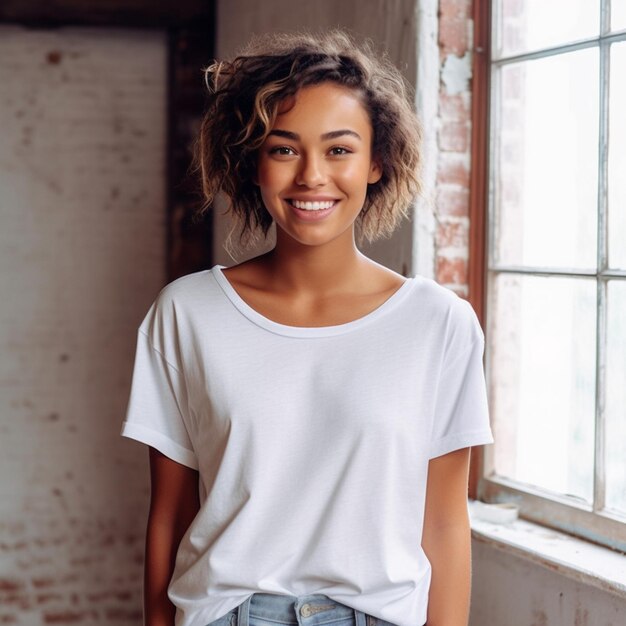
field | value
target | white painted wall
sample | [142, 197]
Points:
[508, 590]
[82, 254]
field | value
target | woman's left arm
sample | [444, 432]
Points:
[447, 539]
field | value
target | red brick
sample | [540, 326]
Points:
[7, 584]
[453, 235]
[16, 599]
[454, 137]
[454, 169]
[67, 617]
[453, 36]
[44, 598]
[40, 583]
[122, 615]
[452, 201]
[453, 8]
[454, 107]
[98, 596]
[452, 270]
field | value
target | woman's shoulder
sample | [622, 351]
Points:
[453, 312]
[179, 298]
[437, 295]
[191, 288]
[185, 285]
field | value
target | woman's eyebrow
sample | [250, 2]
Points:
[333, 134]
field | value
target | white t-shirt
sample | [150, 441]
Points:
[312, 443]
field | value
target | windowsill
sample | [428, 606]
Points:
[568, 556]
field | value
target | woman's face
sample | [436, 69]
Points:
[314, 167]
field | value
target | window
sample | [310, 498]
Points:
[556, 264]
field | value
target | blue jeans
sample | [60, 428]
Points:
[272, 609]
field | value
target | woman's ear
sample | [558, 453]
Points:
[376, 171]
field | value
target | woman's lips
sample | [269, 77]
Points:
[313, 215]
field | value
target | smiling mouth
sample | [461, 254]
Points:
[312, 206]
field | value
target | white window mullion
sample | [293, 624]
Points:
[599, 498]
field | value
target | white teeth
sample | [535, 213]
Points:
[312, 206]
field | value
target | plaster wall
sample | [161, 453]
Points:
[82, 252]
[508, 590]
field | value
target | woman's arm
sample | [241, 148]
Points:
[173, 505]
[447, 539]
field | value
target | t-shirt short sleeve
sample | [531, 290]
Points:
[461, 416]
[157, 411]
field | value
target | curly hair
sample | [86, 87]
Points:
[244, 97]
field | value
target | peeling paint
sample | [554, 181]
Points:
[581, 617]
[542, 597]
[456, 73]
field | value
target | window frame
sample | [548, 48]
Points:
[541, 506]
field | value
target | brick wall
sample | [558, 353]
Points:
[453, 143]
[82, 252]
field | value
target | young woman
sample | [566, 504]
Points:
[309, 411]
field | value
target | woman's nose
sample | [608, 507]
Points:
[311, 172]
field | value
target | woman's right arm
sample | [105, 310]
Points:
[174, 503]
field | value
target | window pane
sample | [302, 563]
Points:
[546, 162]
[617, 157]
[618, 14]
[615, 406]
[532, 24]
[542, 380]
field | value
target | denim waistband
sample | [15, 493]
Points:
[306, 610]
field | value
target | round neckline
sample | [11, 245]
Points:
[308, 331]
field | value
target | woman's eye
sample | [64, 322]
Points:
[281, 150]
[338, 151]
